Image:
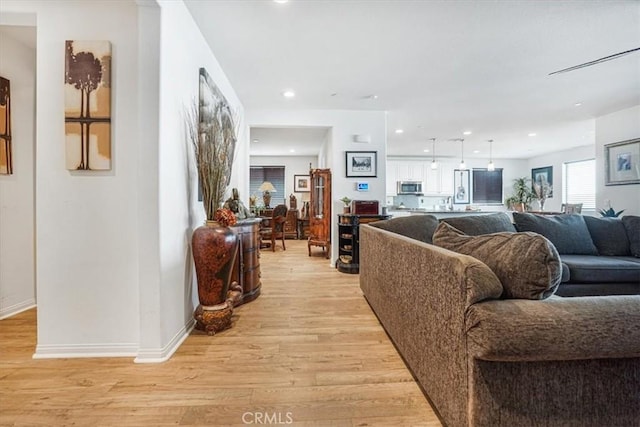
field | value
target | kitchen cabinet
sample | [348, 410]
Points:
[410, 170]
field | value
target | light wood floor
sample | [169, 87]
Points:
[308, 352]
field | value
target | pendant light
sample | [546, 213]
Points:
[434, 164]
[491, 166]
[463, 165]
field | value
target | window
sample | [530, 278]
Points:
[580, 183]
[273, 174]
[487, 186]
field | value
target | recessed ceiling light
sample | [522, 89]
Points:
[476, 151]
[399, 130]
[292, 151]
[288, 94]
[532, 134]
[372, 96]
[466, 132]
[426, 151]
[577, 104]
[281, 1]
[256, 140]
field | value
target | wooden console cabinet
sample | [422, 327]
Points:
[349, 240]
[246, 270]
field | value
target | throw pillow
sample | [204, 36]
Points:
[418, 227]
[527, 264]
[632, 225]
[475, 225]
[568, 233]
[609, 235]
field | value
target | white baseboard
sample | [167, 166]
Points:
[50, 351]
[17, 308]
[165, 353]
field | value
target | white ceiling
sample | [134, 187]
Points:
[438, 67]
[292, 141]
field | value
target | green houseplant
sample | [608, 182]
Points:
[346, 201]
[522, 195]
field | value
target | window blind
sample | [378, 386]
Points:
[580, 183]
[273, 174]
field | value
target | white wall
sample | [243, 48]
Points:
[293, 165]
[114, 269]
[17, 251]
[180, 212]
[556, 160]
[86, 222]
[615, 127]
[343, 124]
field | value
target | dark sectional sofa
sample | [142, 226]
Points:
[476, 321]
[600, 256]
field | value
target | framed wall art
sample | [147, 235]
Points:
[87, 105]
[362, 164]
[6, 166]
[461, 186]
[541, 176]
[622, 162]
[301, 183]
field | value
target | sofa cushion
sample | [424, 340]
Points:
[601, 269]
[609, 235]
[568, 233]
[527, 264]
[418, 227]
[632, 225]
[475, 225]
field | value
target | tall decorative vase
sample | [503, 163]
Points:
[214, 252]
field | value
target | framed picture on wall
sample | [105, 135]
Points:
[461, 186]
[362, 164]
[541, 176]
[622, 162]
[301, 183]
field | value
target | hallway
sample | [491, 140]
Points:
[307, 352]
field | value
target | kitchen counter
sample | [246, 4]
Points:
[397, 212]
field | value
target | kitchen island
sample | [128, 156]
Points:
[442, 213]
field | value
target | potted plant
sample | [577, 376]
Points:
[522, 195]
[542, 190]
[214, 245]
[346, 201]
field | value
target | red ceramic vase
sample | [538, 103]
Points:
[214, 251]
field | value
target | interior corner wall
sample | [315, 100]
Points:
[615, 127]
[17, 251]
[344, 125]
[86, 222]
[184, 51]
[556, 160]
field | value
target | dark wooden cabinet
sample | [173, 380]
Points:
[291, 226]
[320, 210]
[349, 240]
[246, 270]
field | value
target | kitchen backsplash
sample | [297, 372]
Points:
[412, 201]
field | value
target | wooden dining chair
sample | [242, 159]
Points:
[572, 208]
[275, 229]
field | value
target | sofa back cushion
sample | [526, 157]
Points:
[568, 233]
[632, 225]
[609, 235]
[527, 264]
[475, 225]
[418, 227]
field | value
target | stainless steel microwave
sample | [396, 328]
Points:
[409, 187]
